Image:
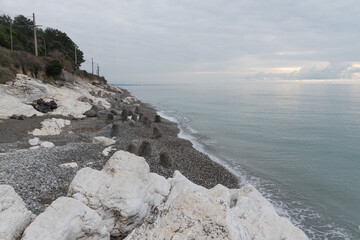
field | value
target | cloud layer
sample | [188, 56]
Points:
[164, 40]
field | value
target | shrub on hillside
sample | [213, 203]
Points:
[53, 68]
[6, 75]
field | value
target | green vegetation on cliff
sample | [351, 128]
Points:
[55, 49]
[51, 42]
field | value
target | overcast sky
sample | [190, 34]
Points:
[147, 41]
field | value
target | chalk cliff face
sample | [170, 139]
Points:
[16, 96]
[126, 200]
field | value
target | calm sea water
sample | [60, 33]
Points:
[298, 143]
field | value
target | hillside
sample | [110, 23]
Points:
[56, 52]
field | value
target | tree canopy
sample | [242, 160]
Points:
[57, 43]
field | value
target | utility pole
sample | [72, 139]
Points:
[35, 39]
[75, 58]
[11, 37]
[92, 66]
[98, 70]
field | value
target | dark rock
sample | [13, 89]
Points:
[83, 99]
[110, 118]
[124, 115]
[134, 118]
[16, 117]
[145, 149]
[115, 130]
[157, 118]
[132, 123]
[156, 133]
[93, 112]
[21, 117]
[165, 160]
[100, 106]
[115, 112]
[132, 148]
[137, 110]
[44, 107]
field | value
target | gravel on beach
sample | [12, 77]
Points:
[38, 178]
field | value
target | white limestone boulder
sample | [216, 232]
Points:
[121, 193]
[51, 126]
[14, 216]
[34, 141]
[67, 219]
[104, 141]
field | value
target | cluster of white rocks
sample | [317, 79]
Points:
[52, 126]
[126, 200]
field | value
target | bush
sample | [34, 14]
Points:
[6, 75]
[53, 68]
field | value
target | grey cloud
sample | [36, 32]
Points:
[157, 38]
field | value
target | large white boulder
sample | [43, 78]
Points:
[67, 219]
[51, 126]
[14, 216]
[104, 141]
[194, 212]
[121, 193]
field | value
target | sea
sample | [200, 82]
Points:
[297, 142]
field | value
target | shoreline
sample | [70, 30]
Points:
[42, 175]
[193, 164]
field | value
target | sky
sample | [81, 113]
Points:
[164, 41]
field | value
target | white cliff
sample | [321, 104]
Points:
[16, 97]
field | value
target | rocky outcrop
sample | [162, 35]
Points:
[67, 219]
[73, 99]
[126, 200]
[14, 216]
[194, 212]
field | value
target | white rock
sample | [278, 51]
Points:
[67, 219]
[194, 212]
[107, 151]
[72, 165]
[34, 141]
[104, 141]
[129, 100]
[14, 216]
[34, 147]
[47, 144]
[51, 126]
[121, 193]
